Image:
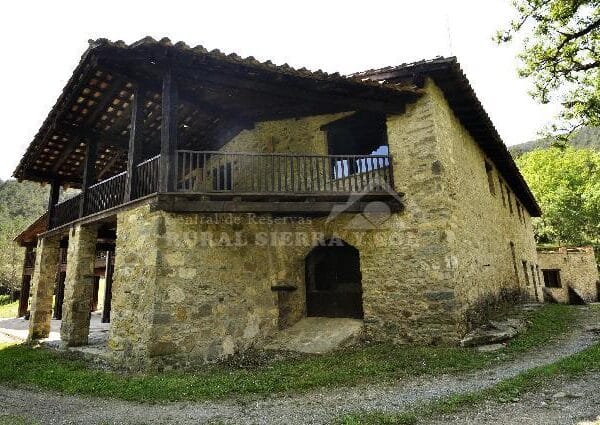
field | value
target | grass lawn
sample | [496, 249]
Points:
[8, 309]
[375, 363]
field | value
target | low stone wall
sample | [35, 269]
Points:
[577, 268]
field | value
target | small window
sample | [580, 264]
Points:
[509, 200]
[490, 178]
[552, 278]
[525, 273]
[519, 211]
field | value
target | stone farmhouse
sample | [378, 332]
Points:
[570, 274]
[238, 197]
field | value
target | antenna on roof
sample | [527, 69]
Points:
[449, 32]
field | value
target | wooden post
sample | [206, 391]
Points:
[89, 173]
[25, 285]
[168, 134]
[59, 293]
[108, 276]
[134, 153]
[24, 296]
[94, 302]
[52, 201]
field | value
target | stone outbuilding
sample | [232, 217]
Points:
[570, 274]
[244, 197]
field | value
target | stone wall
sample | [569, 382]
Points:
[201, 286]
[42, 287]
[134, 287]
[484, 222]
[79, 285]
[577, 268]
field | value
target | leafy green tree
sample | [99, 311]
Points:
[20, 205]
[566, 183]
[561, 53]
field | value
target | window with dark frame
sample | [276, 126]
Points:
[552, 278]
[490, 177]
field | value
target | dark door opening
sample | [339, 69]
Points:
[333, 282]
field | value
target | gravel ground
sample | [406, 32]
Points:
[315, 407]
[575, 402]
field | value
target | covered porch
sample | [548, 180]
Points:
[149, 129]
[155, 118]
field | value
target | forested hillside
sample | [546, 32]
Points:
[20, 205]
[587, 137]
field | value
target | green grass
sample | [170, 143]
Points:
[15, 420]
[8, 309]
[568, 368]
[375, 363]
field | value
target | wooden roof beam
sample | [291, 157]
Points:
[386, 103]
[103, 139]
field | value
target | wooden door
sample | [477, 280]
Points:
[333, 282]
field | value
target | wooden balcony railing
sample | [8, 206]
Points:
[109, 193]
[106, 194]
[240, 173]
[146, 181]
[237, 172]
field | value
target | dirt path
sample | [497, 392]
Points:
[574, 402]
[315, 407]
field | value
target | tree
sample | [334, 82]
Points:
[20, 205]
[566, 184]
[561, 53]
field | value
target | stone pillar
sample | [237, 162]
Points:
[44, 275]
[79, 284]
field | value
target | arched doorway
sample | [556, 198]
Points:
[333, 281]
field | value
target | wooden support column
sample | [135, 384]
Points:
[25, 284]
[24, 296]
[52, 201]
[59, 293]
[108, 279]
[134, 153]
[168, 134]
[89, 173]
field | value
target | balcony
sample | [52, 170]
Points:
[208, 176]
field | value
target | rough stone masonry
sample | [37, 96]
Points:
[197, 287]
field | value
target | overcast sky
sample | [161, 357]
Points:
[43, 41]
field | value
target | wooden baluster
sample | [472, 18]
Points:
[355, 172]
[317, 174]
[256, 171]
[336, 174]
[368, 171]
[182, 180]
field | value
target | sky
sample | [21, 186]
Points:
[42, 43]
